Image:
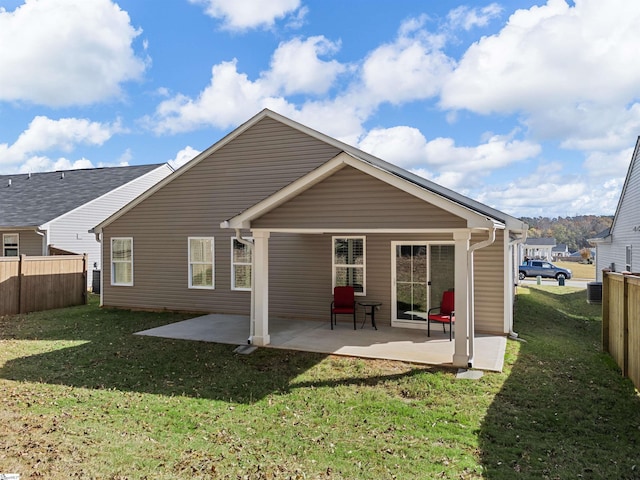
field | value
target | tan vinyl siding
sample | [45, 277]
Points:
[301, 284]
[489, 285]
[29, 242]
[352, 199]
[256, 164]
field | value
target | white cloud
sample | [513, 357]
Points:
[246, 14]
[227, 101]
[552, 56]
[67, 52]
[441, 160]
[467, 18]
[46, 164]
[231, 96]
[413, 67]
[608, 164]
[183, 156]
[297, 68]
[45, 134]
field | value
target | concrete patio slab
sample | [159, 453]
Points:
[390, 343]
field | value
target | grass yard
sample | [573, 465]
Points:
[81, 397]
[580, 271]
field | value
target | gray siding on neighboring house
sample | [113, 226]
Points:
[626, 227]
[30, 243]
[352, 199]
[71, 231]
[257, 163]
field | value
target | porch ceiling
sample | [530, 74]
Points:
[390, 343]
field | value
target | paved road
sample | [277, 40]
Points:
[551, 281]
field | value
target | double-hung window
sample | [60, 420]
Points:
[629, 258]
[349, 263]
[10, 247]
[241, 260]
[201, 255]
[122, 261]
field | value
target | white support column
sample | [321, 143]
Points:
[260, 292]
[461, 352]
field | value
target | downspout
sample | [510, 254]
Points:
[252, 317]
[513, 335]
[43, 234]
[472, 309]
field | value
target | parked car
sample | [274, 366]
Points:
[533, 268]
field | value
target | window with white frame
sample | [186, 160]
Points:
[122, 261]
[349, 263]
[241, 261]
[201, 256]
[629, 258]
[10, 244]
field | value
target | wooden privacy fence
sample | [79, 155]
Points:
[621, 322]
[31, 284]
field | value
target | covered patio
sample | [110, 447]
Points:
[390, 343]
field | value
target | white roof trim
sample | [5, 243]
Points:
[244, 219]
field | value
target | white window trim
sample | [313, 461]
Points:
[628, 257]
[113, 279]
[213, 264]
[233, 264]
[363, 266]
[4, 244]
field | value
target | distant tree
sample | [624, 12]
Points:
[573, 231]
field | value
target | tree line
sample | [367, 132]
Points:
[574, 231]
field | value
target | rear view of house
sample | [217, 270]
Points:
[52, 212]
[273, 216]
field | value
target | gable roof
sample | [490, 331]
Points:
[31, 200]
[243, 220]
[511, 223]
[601, 237]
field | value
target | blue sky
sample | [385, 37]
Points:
[530, 107]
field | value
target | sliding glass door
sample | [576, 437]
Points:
[420, 273]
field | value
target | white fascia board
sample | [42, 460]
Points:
[243, 220]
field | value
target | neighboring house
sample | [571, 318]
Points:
[43, 213]
[560, 250]
[618, 247]
[266, 221]
[538, 248]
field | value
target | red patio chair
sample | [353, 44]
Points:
[444, 314]
[344, 302]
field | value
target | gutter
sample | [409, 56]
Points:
[252, 317]
[472, 310]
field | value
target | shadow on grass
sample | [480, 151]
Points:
[564, 411]
[95, 348]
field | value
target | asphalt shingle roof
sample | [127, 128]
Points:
[32, 200]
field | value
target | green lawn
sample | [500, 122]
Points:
[81, 397]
